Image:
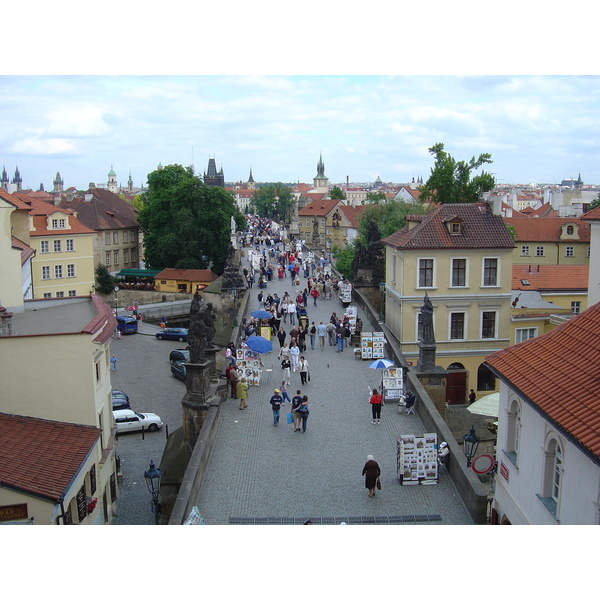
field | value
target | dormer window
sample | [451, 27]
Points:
[454, 224]
[455, 228]
[58, 223]
[570, 229]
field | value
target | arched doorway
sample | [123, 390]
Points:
[456, 384]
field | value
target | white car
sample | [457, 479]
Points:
[129, 420]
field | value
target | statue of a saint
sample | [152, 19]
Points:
[197, 332]
[233, 225]
[209, 319]
[427, 322]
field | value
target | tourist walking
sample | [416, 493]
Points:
[312, 332]
[286, 365]
[233, 377]
[304, 369]
[371, 472]
[292, 312]
[242, 392]
[321, 332]
[294, 356]
[375, 401]
[304, 412]
[276, 401]
[283, 391]
[296, 403]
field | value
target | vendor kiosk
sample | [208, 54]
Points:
[417, 459]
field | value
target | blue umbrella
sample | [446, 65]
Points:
[261, 314]
[259, 344]
[381, 363]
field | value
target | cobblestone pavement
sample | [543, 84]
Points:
[144, 374]
[258, 471]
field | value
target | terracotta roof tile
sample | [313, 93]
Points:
[558, 373]
[318, 208]
[547, 229]
[42, 457]
[550, 277]
[592, 215]
[480, 229]
[187, 274]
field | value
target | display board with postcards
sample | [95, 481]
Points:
[352, 313]
[393, 383]
[249, 366]
[378, 344]
[366, 345]
[345, 292]
[417, 459]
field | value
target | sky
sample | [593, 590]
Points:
[265, 91]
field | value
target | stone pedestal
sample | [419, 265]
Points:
[195, 403]
[426, 360]
[434, 382]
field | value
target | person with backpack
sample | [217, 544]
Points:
[276, 400]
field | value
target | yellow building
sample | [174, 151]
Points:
[183, 280]
[460, 255]
[326, 223]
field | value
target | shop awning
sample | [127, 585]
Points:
[138, 273]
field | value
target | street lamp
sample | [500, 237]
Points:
[470, 443]
[382, 292]
[152, 477]
[116, 289]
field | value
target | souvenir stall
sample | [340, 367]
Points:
[249, 365]
[345, 293]
[372, 344]
[393, 384]
[417, 459]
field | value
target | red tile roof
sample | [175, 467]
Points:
[547, 229]
[480, 229]
[592, 215]
[201, 275]
[558, 373]
[550, 277]
[26, 250]
[318, 208]
[41, 457]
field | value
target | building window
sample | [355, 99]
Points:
[513, 433]
[488, 324]
[132, 236]
[539, 251]
[60, 294]
[115, 237]
[588, 251]
[70, 270]
[570, 251]
[45, 247]
[570, 229]
[132, 255]
[107, 239]
[45, 272]
[457, 326]
[524, 250]
[47, 295]
[486, 381]
[125, 256]
[70, 245]
[490, 271]
[116, 257]
[107, 258]
[455, 229]
[426, 272]
[552, 477]
[525, 334]
[72, 293]
[58, 223]
[125, 237]
[58, 271]
[56, 246]
[459, 272]
[575, 307]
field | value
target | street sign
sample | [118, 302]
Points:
[484, 463]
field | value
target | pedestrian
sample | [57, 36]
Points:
[472, 396]
[339, 336]
[242, 393]
[281, 335]
[321, 332]
[304, 369]
[233, 377]
[163, 321]
[230, 354]
[276, 401]
[315, 294]
[330, 333]
[304, 412]
[296, 403]
[113, 362]
[371, 472]
[375, 401]
[284, 393]
[292, 312]
[312, 332]
[294, 355]
[260, 299]
[286, 366]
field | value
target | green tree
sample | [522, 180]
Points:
[375, 198]
[105, 282]
[336, 193]
[185, 223]
[344, 258]
[595, 203]
[451, 181]
[273, 201]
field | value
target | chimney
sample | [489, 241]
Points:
[88, 197]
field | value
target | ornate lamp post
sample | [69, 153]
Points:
[382, 292]
[470, 444]
[116, 290]
[152, 477]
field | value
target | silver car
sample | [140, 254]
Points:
[129, 420]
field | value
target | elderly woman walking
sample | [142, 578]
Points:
[371, 472]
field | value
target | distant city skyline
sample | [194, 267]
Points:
[540, 129]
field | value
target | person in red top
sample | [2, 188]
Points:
[375, 402]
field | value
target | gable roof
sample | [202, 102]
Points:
[480, 228]
[104, 210]
[187, 274]
[318, 208]
[550, 277]
[547, 229]
[592, 215]
[42, 457]
[557, 373]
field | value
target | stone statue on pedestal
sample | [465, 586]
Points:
[428, 338]
[197, 333]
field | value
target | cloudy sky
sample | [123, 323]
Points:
[538, 128]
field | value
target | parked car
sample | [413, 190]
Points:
[127, 324]
[179, 355]
[173, 333]
[178, 370]
[129, 420]
[120, 400]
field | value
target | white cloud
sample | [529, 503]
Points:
[36, 145]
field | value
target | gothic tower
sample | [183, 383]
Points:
[130, 184]
[212, 177]
[58, 184]
[321, 182]
[251, 183]
[18, 180]
[5, 180]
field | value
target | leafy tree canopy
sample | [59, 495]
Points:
[273, 201]
[375, 198]
[336, 193]
[105, 282]
[185, 223]
[450, 180]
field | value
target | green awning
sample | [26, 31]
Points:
[138, 273]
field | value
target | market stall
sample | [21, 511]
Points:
[417, 459]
